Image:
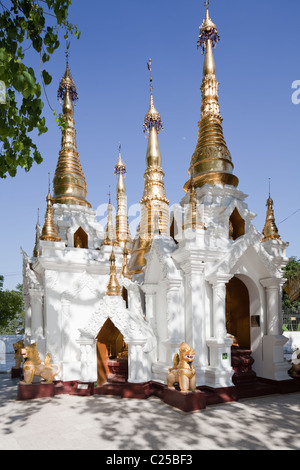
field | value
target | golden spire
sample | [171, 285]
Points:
[49, 231]
[109, 235]
[122, 226]
[37, 230]
[154, 190]
[270, 230]
[69, 183]
[125, 269]
[211, 162]
[113, 286]
[154, 204]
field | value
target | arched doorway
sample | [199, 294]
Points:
[238, 312]
[112, 355]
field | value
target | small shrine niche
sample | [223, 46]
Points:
[80, 239]
[236, 225]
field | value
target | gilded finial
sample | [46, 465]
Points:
[113, 286]
[120, 167]
[150, 70]
[270, 230]
[208, 31]
[49, 231]
[152, 118]
[67, 83]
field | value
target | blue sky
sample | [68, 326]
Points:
[257, 61]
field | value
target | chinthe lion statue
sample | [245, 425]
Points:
[183, 371]
[18, 354]
[294, 371]
[33, 365]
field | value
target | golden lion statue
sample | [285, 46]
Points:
[294, 371]
[34, 366]
[183, 371]
[18, 354]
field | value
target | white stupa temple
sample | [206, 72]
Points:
[105, 305]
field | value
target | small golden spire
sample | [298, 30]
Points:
[109, 235]
[37, 230]
[192, 217]
[270, 230]
[125, 269]
[49, 231]
[113, 286]
[122, 226]
[211, 162]
[69, 183]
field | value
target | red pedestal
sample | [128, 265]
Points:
[38, 390]
[185, 401]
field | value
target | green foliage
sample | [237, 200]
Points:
[292, 269]
[22, 25]
[291, 309]
[292, 272]
[11, 310]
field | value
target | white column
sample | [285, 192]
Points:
[219, 305]
[27, 308]
[37, 321]
[88, 359]
[219, 372]
[273, 294]
[175, 319]
[274, 366]
[137, 367]
[195, 312]
[150, 299]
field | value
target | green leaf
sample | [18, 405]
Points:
[46, 77]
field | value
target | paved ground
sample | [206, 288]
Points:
[70, 422]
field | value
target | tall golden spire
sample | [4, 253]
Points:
[69, 183]
[122, 226]
[154, 199]
[154, 204]
[113, 286]
[49, 231]
[211, 162]
[270, 230]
